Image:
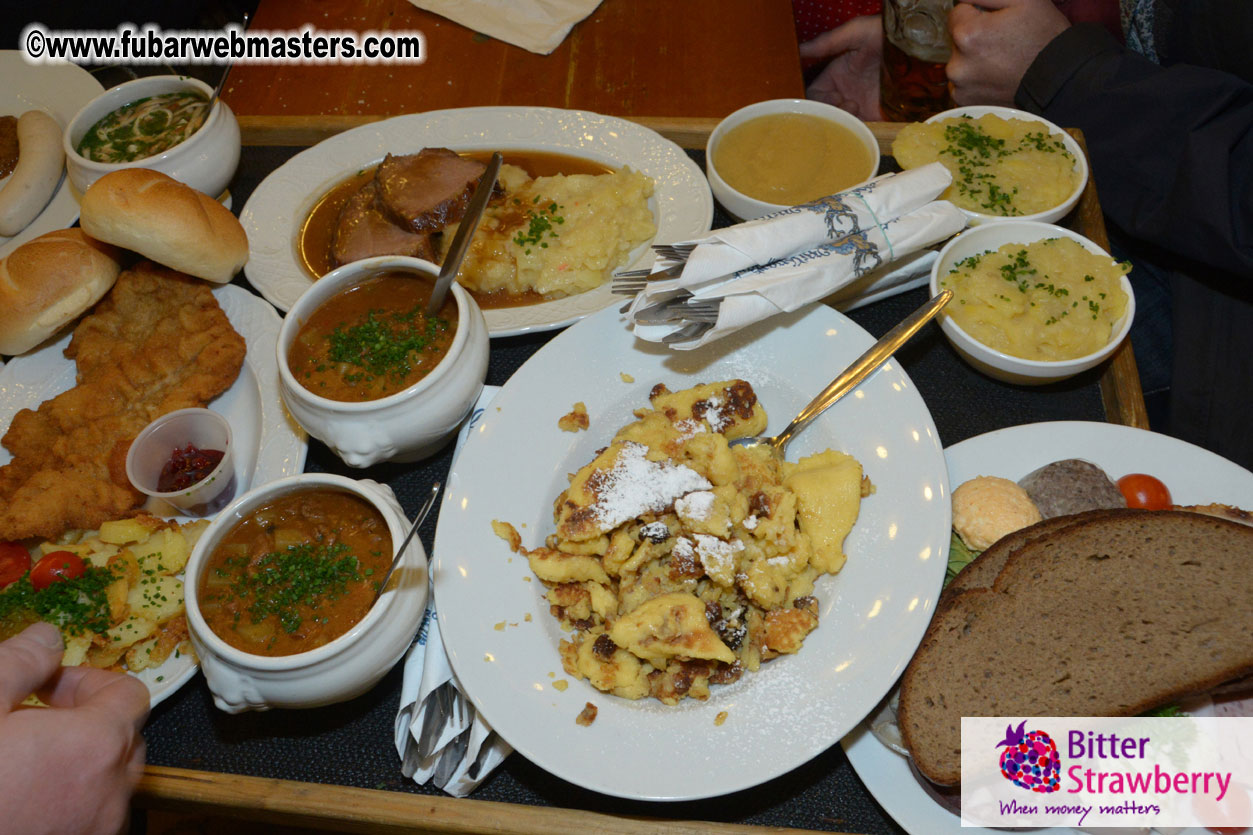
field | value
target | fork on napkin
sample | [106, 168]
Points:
[870, 236]
[439, 735]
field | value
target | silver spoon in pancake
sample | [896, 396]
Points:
[465, 230]
[852, 376]
[417, 523]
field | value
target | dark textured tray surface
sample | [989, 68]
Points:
[351, 744]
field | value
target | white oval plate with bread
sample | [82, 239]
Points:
[1192, 474]
[871, 616]
[682, 204]
[268, 444]
[60, 90]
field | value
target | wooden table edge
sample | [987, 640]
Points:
[349, 809]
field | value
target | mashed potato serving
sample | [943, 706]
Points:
[999, 166]
[1047, 300]
[679, 561]
[557, 235]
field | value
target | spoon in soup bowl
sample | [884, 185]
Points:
[417, 523]
[851, 377]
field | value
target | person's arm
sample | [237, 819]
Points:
[1171, 147]
[68, 768]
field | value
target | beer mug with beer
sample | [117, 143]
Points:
[916, 47]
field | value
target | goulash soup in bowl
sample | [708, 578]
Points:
[280, 593]
[364, 369]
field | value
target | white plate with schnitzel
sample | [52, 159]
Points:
[1192, 474]
[682, 204]
[59, 90]
[268, 443]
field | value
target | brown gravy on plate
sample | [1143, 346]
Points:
[313, 243]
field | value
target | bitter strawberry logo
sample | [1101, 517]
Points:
[1030, 759]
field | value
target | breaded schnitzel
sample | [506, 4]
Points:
[158, 342]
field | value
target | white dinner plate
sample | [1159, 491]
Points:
[1193, 476]
[872, 615]
[268, 443]
[60, 90]
[682, 204]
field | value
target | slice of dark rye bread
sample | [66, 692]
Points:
[1109, 616]
[981, 572]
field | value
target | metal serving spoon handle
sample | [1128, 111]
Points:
[417, 523]
[465, 230]
[852, 376]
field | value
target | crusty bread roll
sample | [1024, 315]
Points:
[162, 219]
[47, 282]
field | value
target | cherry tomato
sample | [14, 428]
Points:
[55, 567]
[1144, 491]
[14, 562]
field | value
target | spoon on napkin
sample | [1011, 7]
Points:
[851, 377]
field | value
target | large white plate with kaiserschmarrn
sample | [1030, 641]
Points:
[682, 204]
[495, 622]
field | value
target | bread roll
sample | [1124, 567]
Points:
[162, 219]
[47, 282]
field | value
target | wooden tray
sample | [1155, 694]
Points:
[349, 809]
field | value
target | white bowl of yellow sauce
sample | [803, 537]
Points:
[779, 153]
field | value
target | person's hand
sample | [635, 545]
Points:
[994, 42]
[69, 768]
[851, 79]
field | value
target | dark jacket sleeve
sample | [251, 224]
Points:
[1171, 147]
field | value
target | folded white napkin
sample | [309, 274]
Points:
[535, 25]
[439, 736]
[808, 225]
[788, 283]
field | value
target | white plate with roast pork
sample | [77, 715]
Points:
[1193, 476]
[299, 218]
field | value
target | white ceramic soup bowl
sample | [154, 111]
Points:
[406, 426]
[749, 208]
[206, 160]
[334, 672]
[1081, 161]
[998, 364]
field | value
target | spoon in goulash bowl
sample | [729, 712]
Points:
[417, 523]
[852, 376]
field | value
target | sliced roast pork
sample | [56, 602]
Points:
[428, 190]
[365, 230]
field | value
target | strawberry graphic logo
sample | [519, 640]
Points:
[1030, 759]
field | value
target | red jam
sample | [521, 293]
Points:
[186, 467]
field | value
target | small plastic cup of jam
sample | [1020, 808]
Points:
[184, 459]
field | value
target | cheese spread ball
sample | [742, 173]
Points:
[1007, 167]
[988, 507]
[1048, 300]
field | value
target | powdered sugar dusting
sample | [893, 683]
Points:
[635, 485]
[750, 522]
[714, 414]
[689, 428]
[717, 555]
[697, 506]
